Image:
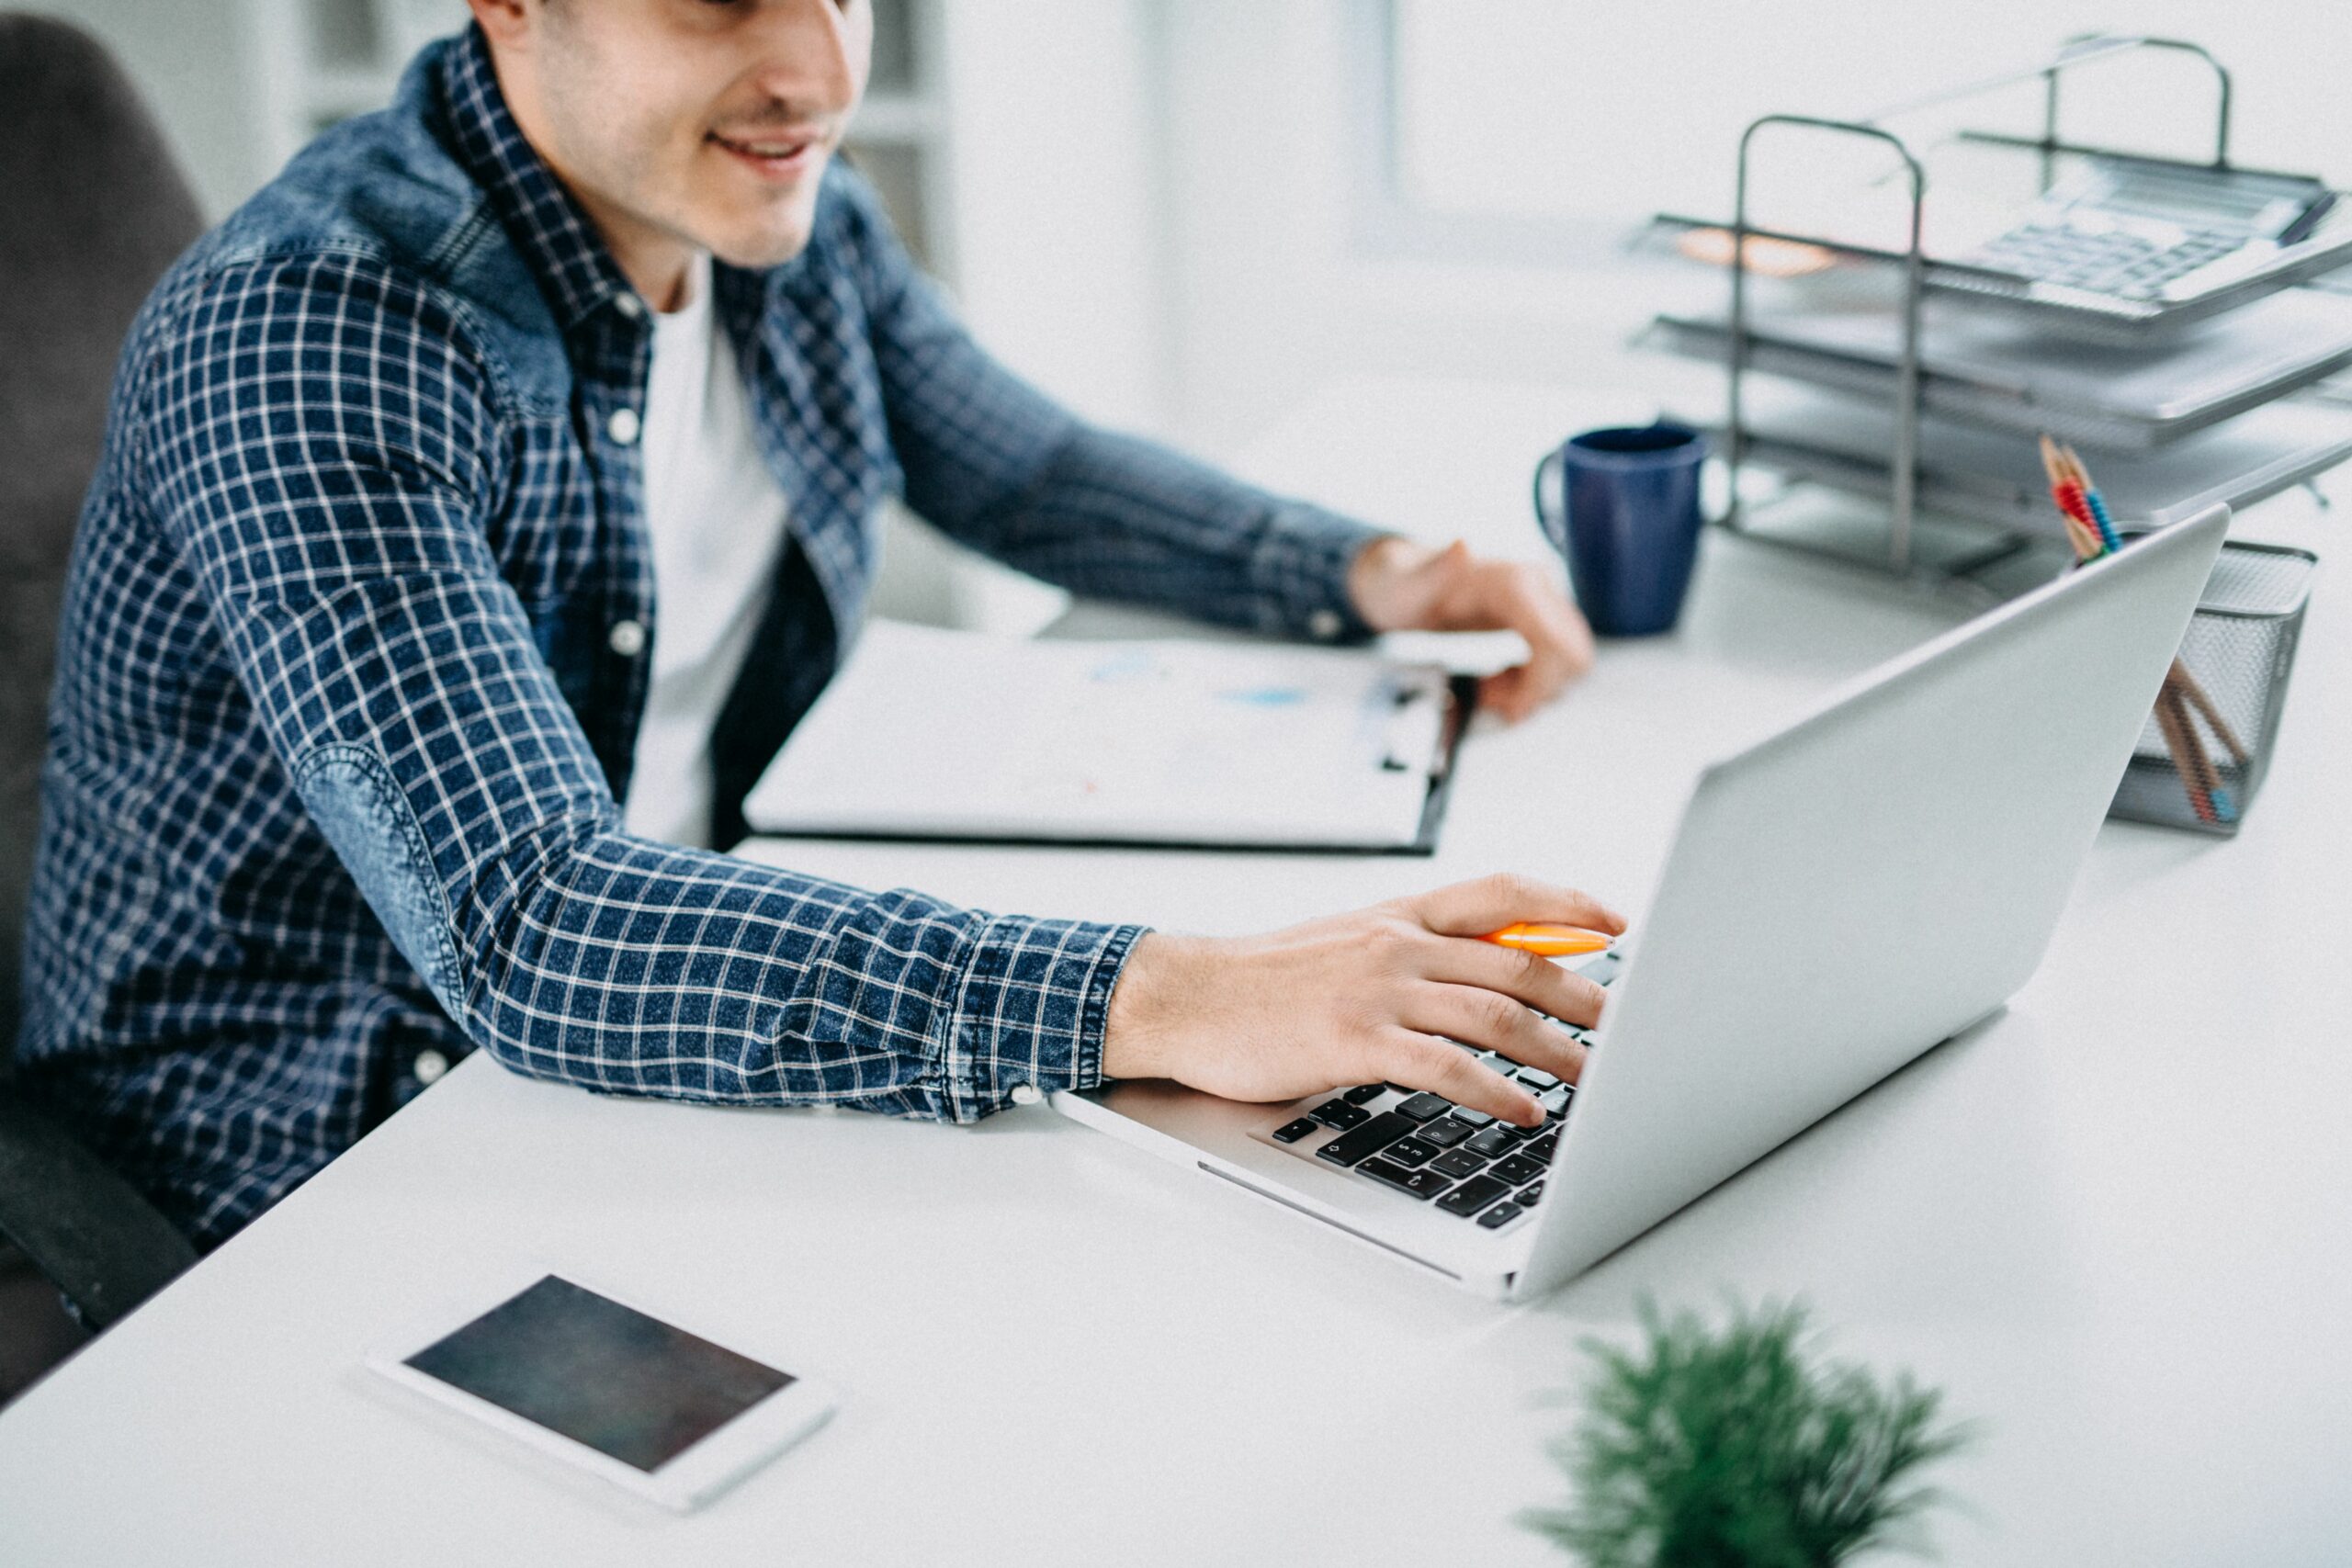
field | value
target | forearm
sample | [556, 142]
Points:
[640, 968]
[998, 465]
[1115, 516]
[573, 950]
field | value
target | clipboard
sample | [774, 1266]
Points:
[938, 737]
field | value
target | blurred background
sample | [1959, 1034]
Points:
[1184, 218]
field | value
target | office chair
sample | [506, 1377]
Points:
[92, 210]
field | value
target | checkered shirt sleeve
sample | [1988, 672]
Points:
[326, 449]
[1105, 514]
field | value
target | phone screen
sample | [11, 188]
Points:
[600, 1373]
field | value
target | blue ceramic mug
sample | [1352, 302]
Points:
[1628, 524]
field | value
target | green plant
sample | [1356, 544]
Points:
[1731, 1449]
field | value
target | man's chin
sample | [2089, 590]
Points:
[758, 246]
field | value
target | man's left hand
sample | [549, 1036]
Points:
[1399, 584]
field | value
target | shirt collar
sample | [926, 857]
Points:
[574, 269]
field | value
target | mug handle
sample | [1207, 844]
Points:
[1544, 516]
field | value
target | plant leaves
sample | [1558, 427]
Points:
[1731, 1449]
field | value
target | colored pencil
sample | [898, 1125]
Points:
[2091, 531]
[2177, 741]
[2225, 808]
[2093, 499]
[2086, 543]
[2211, 715]
[2074, 508]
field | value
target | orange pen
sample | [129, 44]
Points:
[1548, 941]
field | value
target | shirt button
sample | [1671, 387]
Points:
[429, 1067]
[1324, 623]
[626, 638]
[629, 304]
[1026, 1094]
[622, 427]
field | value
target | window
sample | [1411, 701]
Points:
[1550, 119]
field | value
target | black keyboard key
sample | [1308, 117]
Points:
[1517, 1170]
[1341, 1114]
[1532, 1196]
[1543, 1148]
[1446, 1131]
[1555, 1101]
[1416, 1183]
[1290, 1133]
[1373, 1135]
[1469, 1118]
[1364, 1091]
[1535, 1078]
[1458, 1162]
[1500, 1215]
[1425, 1107]
[1495, 1140]
[1408, 1151]
[1472, 1196]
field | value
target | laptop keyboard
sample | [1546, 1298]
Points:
[1425, 1146]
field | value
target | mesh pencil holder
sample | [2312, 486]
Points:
[2206, 746]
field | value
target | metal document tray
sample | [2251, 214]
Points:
[1997, 479]
[1996, 370]
[2099, 318]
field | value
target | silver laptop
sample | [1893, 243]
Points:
[1922, 827]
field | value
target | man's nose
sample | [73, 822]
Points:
[815, 53]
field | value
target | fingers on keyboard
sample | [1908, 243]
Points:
[1425, 1146]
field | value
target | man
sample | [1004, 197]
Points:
[360, 651]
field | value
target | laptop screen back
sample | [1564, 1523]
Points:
[1862, 886]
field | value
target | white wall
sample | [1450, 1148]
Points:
[1055, 186]
[1282, 288]
[1275, 295]
[1610, 109]
[195, 63]
[1057, 179]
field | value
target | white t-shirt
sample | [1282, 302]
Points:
[715, 516]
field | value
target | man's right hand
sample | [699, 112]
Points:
[1361, 998]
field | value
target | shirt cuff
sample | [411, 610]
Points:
[1300, 572]
[1030, 1012]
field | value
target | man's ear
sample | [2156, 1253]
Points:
[508, 22]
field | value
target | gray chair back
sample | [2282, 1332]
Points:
[92, 210]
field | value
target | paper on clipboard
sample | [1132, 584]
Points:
[941, 734]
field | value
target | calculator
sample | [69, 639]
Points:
[2153, 231]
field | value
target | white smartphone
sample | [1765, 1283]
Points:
[612, 1389]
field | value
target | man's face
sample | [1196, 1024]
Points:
[702, 122]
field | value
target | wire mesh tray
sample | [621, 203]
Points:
[2206, 748]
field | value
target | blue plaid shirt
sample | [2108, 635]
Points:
[341, 717]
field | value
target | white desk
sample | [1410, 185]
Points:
[2112, 1224]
